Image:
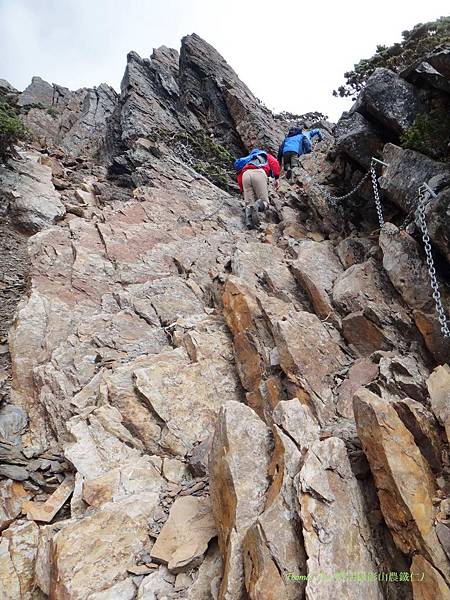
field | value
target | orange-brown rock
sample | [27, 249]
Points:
[240, 310]
[238, 483]
[362, 372]
[18, 547]
[438, 385]
[422, 424]
[436, 343]
[262, 577]
[12, 497]
[91, 554]
[185, 535]
[427, 582]
[316, 268]
[364, 335]
[402, 476]
[310, 355]
[273, 542]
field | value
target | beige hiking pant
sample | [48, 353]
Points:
[254, 182]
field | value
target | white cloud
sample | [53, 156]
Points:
[290, 54]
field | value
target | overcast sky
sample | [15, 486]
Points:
[291, 54]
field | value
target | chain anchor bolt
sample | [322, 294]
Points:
[379, 161]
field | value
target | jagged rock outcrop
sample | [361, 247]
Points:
[357, 138]
[406, 171]
[224, 103]
[432, 70]
[239, 481]
[80, 122]
[390, 100]
[176, 378]
[402, 476]
[27, 192]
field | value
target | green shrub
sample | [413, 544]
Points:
[215, 174]
[418, 42]
[11, 129]
[430, 134]
[52, 112]
[205, 155]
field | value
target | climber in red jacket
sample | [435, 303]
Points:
[253, 173]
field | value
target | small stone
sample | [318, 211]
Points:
[31, 451]
[14, 472]
[139, 569]
[182, 581]
[184, 537]
[193, 488]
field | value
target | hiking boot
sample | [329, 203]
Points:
[261, 206]
[288, 174]
[248, 217]
[255, 215]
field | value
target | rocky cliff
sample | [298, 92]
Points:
[192, 410]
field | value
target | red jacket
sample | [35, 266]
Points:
[272, 168]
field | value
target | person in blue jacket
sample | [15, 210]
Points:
[296, 143]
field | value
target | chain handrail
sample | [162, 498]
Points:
[424, 196]
[333, 200]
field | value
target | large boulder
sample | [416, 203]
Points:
[357, 138]
[18, 548]
[316, 269]
[407, 170]
[390, 101]
[405, 266]
[433, 70]
[403, 478]
[26, 185]
[238, 482]
[335, 527]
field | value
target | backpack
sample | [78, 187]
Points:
[258, 158]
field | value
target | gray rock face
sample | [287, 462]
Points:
[38, 92]
[91, 128]
[6, 87]
[407, 171]
[149, 96]
[357, 138]
[405, 266]
[438, 221]
[434, 70]
[13, 422]
[79, 121]
[219, 99]
[27, 186]
[390, 100]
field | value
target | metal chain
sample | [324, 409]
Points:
[333, 200]
[376, 195]
[424, 197]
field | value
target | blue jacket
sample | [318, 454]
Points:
[307, 146]
[298, 142]
[294, 143]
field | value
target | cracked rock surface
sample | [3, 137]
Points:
[193, 410]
